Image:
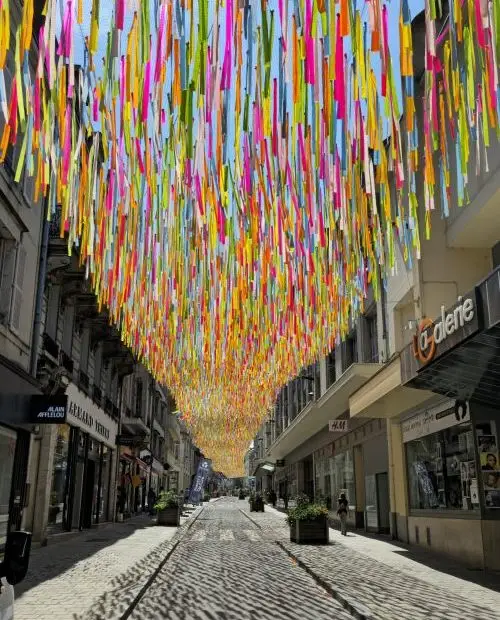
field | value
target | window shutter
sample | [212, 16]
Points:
[17, 290]
[7, 271]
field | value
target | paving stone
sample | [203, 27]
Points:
[392, 587]
[213, 575]
[65, 578]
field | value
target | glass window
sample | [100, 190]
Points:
[107, 456]
[342, 477]
[442, 470]
[487, 445]
[59, 471]
[7, 451]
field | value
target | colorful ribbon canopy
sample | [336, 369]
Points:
[236, 174]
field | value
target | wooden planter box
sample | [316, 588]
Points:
[169, 516]
[310, 532]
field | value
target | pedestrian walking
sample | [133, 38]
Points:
[273, 497]
[342, 513]
[151, 500]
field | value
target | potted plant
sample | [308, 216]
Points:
[167, 507]
[308, 522]
[206, 497]
[241, 494]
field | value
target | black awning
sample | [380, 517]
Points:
[469, 371]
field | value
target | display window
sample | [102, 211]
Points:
[442, 472]
[487, 446]
[59, 473]
[335, 475]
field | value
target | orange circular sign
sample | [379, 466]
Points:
[424, 342]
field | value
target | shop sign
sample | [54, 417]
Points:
[125, 440]
[430, 334]
[48, 409]
[338, 426]
[83, 412]
[434, 420]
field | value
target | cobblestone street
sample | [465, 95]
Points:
[227, 563]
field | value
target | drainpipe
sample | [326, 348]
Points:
[42, 274]
[383, 299]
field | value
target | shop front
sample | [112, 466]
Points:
[355, 463]
[286, 484]
[451, 450]
[83, 466]
[24, 412]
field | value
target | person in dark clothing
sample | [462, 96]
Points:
[342, 513]
[151, 500]
[273, 497]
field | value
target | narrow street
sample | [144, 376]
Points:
[227, 563]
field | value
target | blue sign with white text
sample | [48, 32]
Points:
[199, 482]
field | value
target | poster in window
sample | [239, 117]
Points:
[467, 470]
[487, 443]
[474, 491]
[491, 480]
[489, 461]
[492, 499]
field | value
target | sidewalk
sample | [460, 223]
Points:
[389, 581]
[67, 577]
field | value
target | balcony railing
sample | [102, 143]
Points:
[84, 381]
[67, 362]
[50, 346]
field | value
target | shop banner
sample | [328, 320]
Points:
[201, 479]
[433, 421]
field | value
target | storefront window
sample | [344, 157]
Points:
[60, 468]
[7, 451]
[107, 456]
[487, 445]
[442, 470]
[342, 477]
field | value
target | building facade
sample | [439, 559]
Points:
[405, 420]
[21, 227]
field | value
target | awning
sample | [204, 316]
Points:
[469, 366]
[17, 389]
[384, 396]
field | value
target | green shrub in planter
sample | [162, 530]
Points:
[168, 509]
[308, 523]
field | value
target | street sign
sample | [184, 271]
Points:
[338, 426]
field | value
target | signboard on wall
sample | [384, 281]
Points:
[338, 426]
[48, 409]
[85, 414]
[434, 420]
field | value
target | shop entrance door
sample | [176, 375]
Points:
[88, 495]
[383, 502]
